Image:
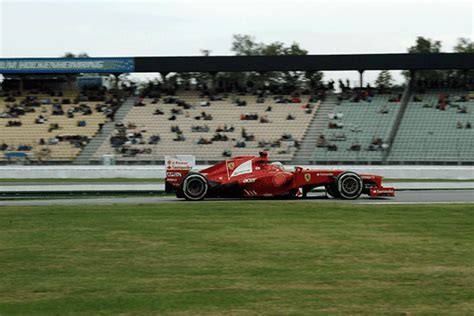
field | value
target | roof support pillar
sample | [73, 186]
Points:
[163, 77]
[116, 81]
[361, 78]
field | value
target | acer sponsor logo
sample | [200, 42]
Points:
[249, 180]
[324, 174]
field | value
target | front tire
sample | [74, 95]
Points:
[349, 185]
[195, 187]
[331, 190]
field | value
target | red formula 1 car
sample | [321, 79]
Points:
[248, 176]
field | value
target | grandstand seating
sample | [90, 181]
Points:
[29, 133]
[363, 121]
[223, 112]
[427, 134]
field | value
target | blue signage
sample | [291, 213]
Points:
[66, 65]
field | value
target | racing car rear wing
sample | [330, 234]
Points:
[176, 168]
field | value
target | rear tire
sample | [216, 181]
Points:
[195, 187]
[349, 185]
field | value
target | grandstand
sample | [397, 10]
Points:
[430, 133]
[357, 130]
[297, 126]
[50, 127]
[276, 127]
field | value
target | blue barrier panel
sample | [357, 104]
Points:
[15, 154]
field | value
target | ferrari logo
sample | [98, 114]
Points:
[231, 165]
[307, 177]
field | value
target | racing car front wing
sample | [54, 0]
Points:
[381, 191]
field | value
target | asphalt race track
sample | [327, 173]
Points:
[402, 197]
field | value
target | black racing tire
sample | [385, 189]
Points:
[349, 185]
[194, 187]
[331, 190]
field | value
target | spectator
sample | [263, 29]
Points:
[240, 144]
[179, 138]
[14, 124]
[154, 139]
[321, 142]
[219, 137]
[462, 110]
[53, 127]
[332, 147]
[355, 147]
[336, 125]
[264, 119]
[41, 119]
[204, 141]
[384, 110]
[158, 112]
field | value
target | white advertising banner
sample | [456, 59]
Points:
[180, 162]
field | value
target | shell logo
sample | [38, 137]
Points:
[307, 177]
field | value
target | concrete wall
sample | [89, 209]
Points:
[85, 172]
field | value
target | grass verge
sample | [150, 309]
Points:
[241, 258]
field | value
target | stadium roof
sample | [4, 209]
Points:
[238, 63]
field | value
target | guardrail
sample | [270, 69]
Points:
[143, 172]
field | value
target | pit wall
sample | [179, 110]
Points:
[143, 172]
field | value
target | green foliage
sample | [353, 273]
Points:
[464, 45]
[246, 45]
[217, 258]
[425, 46]
[72, 55]
[384, 79]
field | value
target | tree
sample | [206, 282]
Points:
[246, 45]
[188, 78]
[72, 55]
[464, 45]
[384, 79]
[425, 46]
[206, 52]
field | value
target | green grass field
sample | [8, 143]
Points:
[237, 258]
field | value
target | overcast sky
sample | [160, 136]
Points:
[184, 27]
